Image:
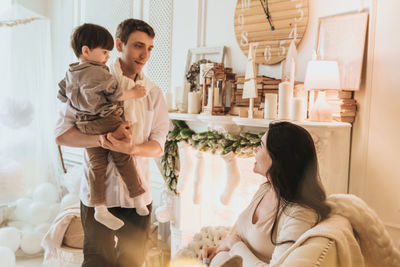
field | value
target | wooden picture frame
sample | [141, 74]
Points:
[341, 38]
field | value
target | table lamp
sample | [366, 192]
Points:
[321, 75]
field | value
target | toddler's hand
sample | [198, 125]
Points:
[138, 91]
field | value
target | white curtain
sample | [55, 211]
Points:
[28, 153]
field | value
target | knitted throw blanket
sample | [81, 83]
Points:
[375, 243]
[133, 108]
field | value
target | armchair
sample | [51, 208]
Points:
[352, 236]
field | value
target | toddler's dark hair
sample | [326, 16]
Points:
[92, 36]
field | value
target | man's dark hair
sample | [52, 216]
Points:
[92, 36]
[129, 26]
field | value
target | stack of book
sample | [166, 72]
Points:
[264, 85]
[343, 104]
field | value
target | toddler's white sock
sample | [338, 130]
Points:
[141, 208]
[102, 215]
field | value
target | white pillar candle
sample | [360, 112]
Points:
[285, 94]
[298, 109]
[168, 100]
[183, 98]
[210, 96]
[270, 106]
[194, 102]
[177, 90]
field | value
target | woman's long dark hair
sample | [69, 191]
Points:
[294, 171]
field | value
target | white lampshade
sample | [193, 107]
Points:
[322, 75]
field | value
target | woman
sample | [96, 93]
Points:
[290, 202]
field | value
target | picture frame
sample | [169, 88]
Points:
[341, 38]
[214, 53]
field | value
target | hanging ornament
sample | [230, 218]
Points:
[198, 177]
[185, 164]
[232, 175]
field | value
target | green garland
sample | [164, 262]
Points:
[242, 145]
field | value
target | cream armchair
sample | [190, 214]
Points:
[352, 236]
[316, 251]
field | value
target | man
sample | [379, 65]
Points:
[134, 41]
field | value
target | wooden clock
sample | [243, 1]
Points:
[272, 25]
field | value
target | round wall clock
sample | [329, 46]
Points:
[272, 25]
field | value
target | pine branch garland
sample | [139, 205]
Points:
[242, 145]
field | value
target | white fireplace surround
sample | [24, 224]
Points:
[332, 140]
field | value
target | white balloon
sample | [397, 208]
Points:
[39, 212]
[46, 192]
[42, 228]
[69, 200]
[7, 257]
[21, 225]
[21, 212]
[10, 237]
[30, 242]
[17, 113]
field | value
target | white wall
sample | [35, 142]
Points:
[375, 164]
[219, 31]
[37, 6]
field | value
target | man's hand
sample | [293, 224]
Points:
[122, 145]
[124, 130]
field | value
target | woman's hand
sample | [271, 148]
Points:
[208, 253]
[225, 245]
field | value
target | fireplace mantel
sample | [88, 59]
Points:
[236, 123]
[332, 140]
